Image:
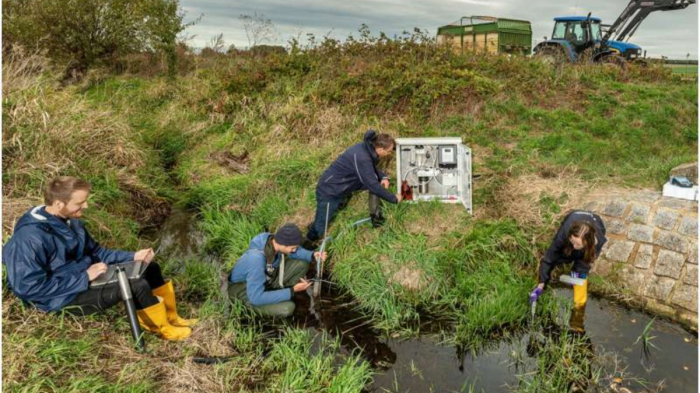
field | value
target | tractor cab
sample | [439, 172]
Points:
[579, 31]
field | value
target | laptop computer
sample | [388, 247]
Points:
[134, 269]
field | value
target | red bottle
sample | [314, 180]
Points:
[406, 191]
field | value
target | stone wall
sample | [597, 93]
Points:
[652, 250]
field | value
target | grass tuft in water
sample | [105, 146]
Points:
[646, 339]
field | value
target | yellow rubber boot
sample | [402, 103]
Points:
[154, 319]
[581, 294]
[167, 292]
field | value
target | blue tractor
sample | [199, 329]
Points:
[578, 39]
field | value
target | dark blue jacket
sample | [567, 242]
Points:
[250, 268]
[555, 254]
[355, 170]
[47, 259]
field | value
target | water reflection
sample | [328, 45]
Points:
[336, 314]
[576, 321]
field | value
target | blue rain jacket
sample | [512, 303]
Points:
[555, 253]
[47, 259]
[355, 170]
[251, 266]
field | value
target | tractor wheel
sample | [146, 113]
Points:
[614, 61]
[551, 55]
[586, 56]
[641, 62]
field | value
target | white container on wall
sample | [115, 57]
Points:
[435, 169]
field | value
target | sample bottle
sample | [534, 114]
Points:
[406, 191]
[567, 279]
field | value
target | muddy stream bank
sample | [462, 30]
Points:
[423, 364]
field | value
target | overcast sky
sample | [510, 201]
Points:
[673, 33]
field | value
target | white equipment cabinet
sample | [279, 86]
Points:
[435, 169]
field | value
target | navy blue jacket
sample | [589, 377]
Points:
[47, 259]
[555, 254]
[250, 268]
[355, 170]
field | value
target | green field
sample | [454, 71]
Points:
[691, 69]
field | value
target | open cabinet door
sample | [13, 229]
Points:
[465, 183]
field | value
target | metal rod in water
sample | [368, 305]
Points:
[125, 288]
[319, 264]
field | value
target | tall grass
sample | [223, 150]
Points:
[302, 370]
[50, 131]
[565, 363]
[473, 279]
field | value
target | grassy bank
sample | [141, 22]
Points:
[125, 144]
[242, 141]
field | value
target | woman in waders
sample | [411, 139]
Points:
[579, 239]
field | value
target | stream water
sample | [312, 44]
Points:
[423, 364]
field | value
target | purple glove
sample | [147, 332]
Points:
[535, 294]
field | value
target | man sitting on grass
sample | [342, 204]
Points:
[51, 260]
[264, 279]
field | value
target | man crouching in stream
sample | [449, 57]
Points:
[264, 279]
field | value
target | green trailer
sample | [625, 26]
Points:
[487, 34]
